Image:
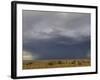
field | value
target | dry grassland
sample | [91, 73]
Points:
[36, 64]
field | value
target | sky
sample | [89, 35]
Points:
[55, 35]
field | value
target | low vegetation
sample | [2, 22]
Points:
[36, 64]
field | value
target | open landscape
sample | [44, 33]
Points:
[36, 64]
[54, 39]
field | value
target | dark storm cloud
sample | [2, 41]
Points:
[56, 34]
[54, 50]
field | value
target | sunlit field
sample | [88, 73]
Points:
[36, 64]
